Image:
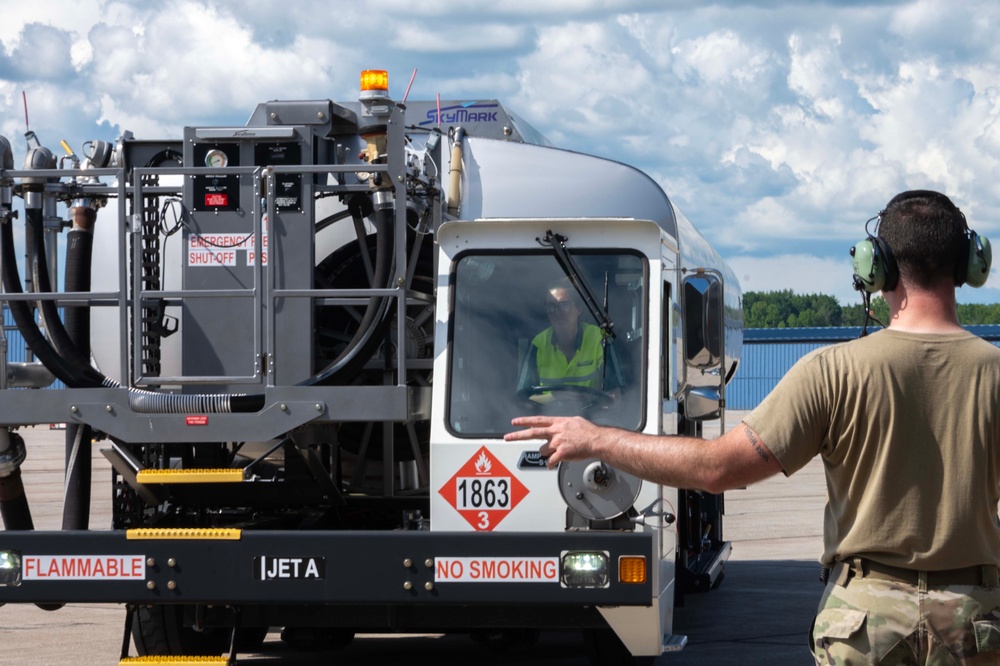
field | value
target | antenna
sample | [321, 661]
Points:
[407, 93]
[24, 98]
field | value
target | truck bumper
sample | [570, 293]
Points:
[399, 568]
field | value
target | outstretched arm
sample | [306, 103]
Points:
[735, 459]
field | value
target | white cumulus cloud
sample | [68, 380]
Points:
[779, 128]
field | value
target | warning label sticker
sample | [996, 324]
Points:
[212, 258]
[496, 569]
[83, 567]
[483, 491]
[216, 200]
[221, 249]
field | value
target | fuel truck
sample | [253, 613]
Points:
[299, 344]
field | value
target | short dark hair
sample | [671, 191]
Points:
[926, 234]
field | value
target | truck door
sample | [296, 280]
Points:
[507, 354]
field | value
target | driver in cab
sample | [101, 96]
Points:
[569, 353]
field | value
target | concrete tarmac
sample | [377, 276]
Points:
[759, 615]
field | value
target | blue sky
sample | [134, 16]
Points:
[778, 127]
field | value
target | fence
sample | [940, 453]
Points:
[768, 353]
[17, 350]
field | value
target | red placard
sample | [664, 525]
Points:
[483, 491]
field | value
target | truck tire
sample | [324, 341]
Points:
[160, 630]
[604, 648]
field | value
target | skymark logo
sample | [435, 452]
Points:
[467, 112]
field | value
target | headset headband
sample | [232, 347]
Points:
[924, 194]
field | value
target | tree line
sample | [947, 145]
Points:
[784, 309]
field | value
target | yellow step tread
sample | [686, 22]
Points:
[173, 660]
[222, 475]
[207, 533]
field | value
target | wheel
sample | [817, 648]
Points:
[336, 325]
[604, 648]
[161, 630]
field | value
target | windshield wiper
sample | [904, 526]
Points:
[600, 313]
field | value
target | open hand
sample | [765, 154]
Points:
[566, 437]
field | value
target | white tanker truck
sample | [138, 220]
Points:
[298, 344]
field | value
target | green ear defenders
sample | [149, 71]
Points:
[875, 268]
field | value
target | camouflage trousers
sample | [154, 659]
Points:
[873, 621]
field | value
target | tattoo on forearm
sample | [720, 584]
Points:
[755, 443]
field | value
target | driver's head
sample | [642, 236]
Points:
[562, 305]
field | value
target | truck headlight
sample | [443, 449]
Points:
[10, 568]
[585, 569]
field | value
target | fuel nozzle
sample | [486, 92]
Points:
[97, 155]
[38, 157]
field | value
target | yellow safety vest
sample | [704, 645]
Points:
[584, 369]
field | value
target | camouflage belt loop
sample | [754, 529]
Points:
[841, 573]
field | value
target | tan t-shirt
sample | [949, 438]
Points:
[908, 426]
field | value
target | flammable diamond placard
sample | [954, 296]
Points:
[483, 491]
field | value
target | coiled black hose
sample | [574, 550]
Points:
[21, 313]
[377, 315]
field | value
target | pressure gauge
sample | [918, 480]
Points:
[216, 158]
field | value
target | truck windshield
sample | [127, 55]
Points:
[522, 341]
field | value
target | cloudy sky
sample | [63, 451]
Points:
[779, 127]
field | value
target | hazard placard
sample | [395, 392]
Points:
[483, 491]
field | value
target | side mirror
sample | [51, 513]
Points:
[703, 320]
[703, 403]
